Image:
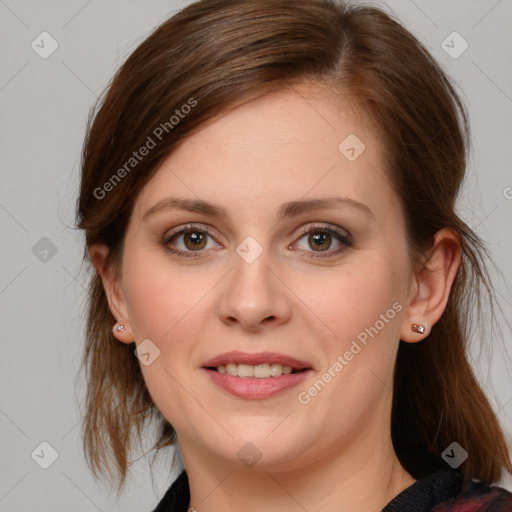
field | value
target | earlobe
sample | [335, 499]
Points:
[431, 288]
[122, 333]
[98, 254]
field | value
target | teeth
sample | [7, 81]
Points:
[232, 369]
[262, 371]
[259, 371]
[245, 370]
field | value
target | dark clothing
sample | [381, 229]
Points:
[177, 498]
[442, 491]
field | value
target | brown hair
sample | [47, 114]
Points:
[218, 52]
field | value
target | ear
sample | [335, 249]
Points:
[430, 288]
[112, 285]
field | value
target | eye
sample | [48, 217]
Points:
[190, 241]
[321, 238]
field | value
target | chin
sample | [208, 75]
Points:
[274, 451]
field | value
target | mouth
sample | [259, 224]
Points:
[259, 371]
[262, 365]
[256, 376]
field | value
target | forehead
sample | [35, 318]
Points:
[280, 147]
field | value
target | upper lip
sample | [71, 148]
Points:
[255, 359]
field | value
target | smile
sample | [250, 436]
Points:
[256, 375]
[259, 371]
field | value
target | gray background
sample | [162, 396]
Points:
[43, 107]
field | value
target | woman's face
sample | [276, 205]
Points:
[252, 280]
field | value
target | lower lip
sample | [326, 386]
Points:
[252, 388]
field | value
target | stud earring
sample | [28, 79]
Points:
[420, 329]
[121, 328]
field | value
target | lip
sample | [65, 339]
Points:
[252, 388]
[257, 358]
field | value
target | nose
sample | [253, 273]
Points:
[253, 296]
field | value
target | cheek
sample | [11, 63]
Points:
[168, 308]
[362, 306]
[355, 299]
[158, 296]
[355, 382]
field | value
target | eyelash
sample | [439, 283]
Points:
[345, 239]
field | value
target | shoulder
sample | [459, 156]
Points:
[177, 497]
[478, 497]
[442, 491]
[447, 491]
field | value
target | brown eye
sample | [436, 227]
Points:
[320, 240]
[190, 241]
[194, 240]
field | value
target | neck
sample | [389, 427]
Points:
[365, 477]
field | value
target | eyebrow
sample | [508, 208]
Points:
[290, 209]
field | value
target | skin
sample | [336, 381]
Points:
[335, 452]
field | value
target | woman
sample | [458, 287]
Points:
[268, 195]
